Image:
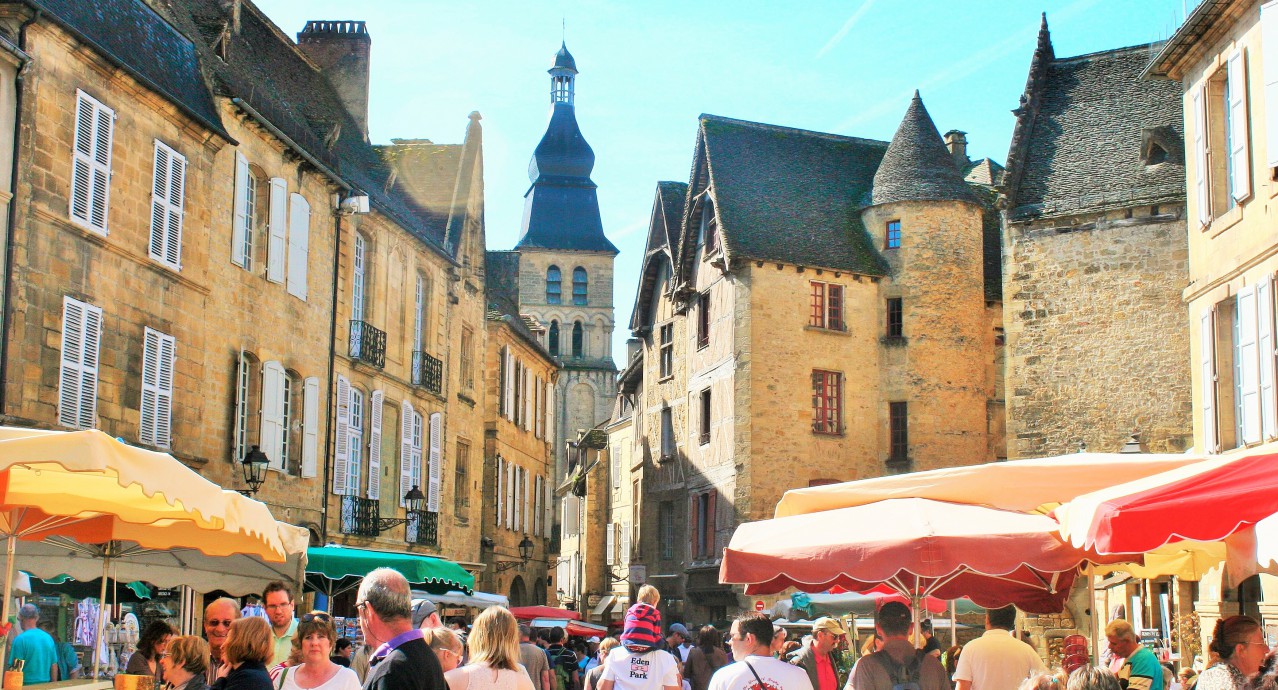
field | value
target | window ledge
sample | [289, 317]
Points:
[1225, 221]
[894, 341]
[667, 377]
[829, 331]
[831, 434]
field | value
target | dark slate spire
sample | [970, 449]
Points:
[561, 209]
[917, 166]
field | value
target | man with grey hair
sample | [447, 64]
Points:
[534, 660]
[35, 648]
[1140, 670]
[401, 661]
[218, 616]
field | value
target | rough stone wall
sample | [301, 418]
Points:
[624, 505]
[1097, 341]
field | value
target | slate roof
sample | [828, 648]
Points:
[144, 44]
[501, 291]
[917, 165]
[1081, 150]
[564, 58]
[792, 195]
[671, 196]
[663, 232]
[984, 172]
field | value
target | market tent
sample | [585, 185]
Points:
[1020, 485]
[479, 600]
[572, 627]
[530, 612]
[335, 569]
[915, 546]
[839, 603]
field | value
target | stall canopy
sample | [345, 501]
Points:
[1020, 485]
[530, 612]
[839, 602]
[915, 546]
[572, 627]
[335, 569]
[479, 600]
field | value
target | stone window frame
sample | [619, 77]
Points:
[898, 431]
[666, 349]
[894, 308]
[706, 416]
[892, 237]
[554, 285]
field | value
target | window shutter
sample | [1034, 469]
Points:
[355, 443]
[1208, 353]
[1248, 366]
[241, 224]
[539, 400]
[694, 527]
[168, 184]
[711, 523]
[510, 385]
[405, 449]
[615, 465]
[91, 162]
[1237, 75]
[78, 376]
[572, 514]
[508, 520]
[536, 508]
[342, 429]
[374, 442]
[625, 543]
[157, 388]
[548, 517]
[528, 406]
[241, 408]
[527, 523]
[501, 476]
[1265, 346]
[299, 231]
[419, 305]
[271, 436]
[276, 228]
[417, 453]
[517, 504]
[502, 375]
[611, 556]
[436, 461]
[550, 413]
[1269, 54]
[310, 427]
[1201, 174]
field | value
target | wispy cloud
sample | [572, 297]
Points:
[641, 224]
[847, 26]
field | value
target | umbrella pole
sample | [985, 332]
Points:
[1095, 624]
[10, 553]
[102, 612]
[953, 624]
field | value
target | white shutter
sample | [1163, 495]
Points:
[271, 435]
[536, 507]
[436, 461]
[342, 428]
[572, 508]
[550, 414]
[510, 385]
[515, 495]
[310, 427]
[241, 407]
[611, 551]
[1248, 367]
[614, 454]
[527, 523]
[168, 185]
[1269, 55]
[419, 305]
[501, 475]
[1201, 175]
[158, 353]
[78, 376]
[405, 450]
[528, 404]
[510, 495]
[1238, 122]
[276, 224]
[417, 452]
[1265, 347]
[548, 508]
[539, 411]
[625, 543]
[299, 232]
[91, 162]
[374, 442]
[242, 222]
[1207, 341]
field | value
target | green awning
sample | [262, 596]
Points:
[435, 575]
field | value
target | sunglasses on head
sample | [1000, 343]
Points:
[317, 616]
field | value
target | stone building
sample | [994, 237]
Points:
[813, 308]
[1223, 63]
[196, 202]
[1095, 258]
[518, 493]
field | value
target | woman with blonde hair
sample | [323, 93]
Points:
[446, 645]
[591, 682]
[185, 660]
[249, 646]
[494, 656]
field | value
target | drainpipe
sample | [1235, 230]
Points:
[332, 373]
[10, 247]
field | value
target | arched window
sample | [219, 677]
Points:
[552, 339]
[579, 285]
[577, 339]
[553, 281]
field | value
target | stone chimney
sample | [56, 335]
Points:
[341, 50]
[632, 349]
[956, 142]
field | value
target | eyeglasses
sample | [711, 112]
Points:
[276, 607]
[360, 605]
[218, 624]
[164, 655]
[318, 616]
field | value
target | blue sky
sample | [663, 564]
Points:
[649, 68]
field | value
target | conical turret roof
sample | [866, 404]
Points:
[917, 166]
[563, 59]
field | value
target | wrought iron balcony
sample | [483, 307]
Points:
[422, 528]
[428, 372]
[368, 344]
[359, 516]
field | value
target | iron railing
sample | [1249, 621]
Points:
[368, 344]
[422, 528]
[428, 372]
[359, 516]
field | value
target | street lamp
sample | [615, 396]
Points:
[414, 502]
[525, 555]
[254, 467]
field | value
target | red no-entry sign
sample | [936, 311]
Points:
[758, 605]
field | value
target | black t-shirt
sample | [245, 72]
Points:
[931, 645]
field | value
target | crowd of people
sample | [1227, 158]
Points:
[407, 647]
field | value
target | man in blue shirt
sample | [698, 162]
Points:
[1141, 670]
[35, 647]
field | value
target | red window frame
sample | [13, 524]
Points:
[827, 402]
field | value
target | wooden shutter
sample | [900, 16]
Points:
[310, 427]
[548, 516]
[342, 429]
[276, 228]
[528, 403]
[1207, 341]
[355, 446]
[1265, 346]
[502, 375]
[625, 543]
[572, 514]
[1269, 55]
[694, 527]
[157, 388]
[510, 385]
[501, 476]
[711, 523]
[510, 495]
[242, 222]
[517, 505]
[550, 415]
[536, 507]
[241, 408]
[168, 185]
[436, 461]
[1236, 72]
[271, 435]
[374, 442]
[91, 162]
[611, 556]
[1248, 385]
[299, 232]
[78, 375]
[1202, 177]
[539, 415]
[405, 449]
[527, 523]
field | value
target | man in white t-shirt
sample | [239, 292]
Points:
[755, 668]
[654, 669]
[996, 660]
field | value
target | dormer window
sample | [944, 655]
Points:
[709, 234]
